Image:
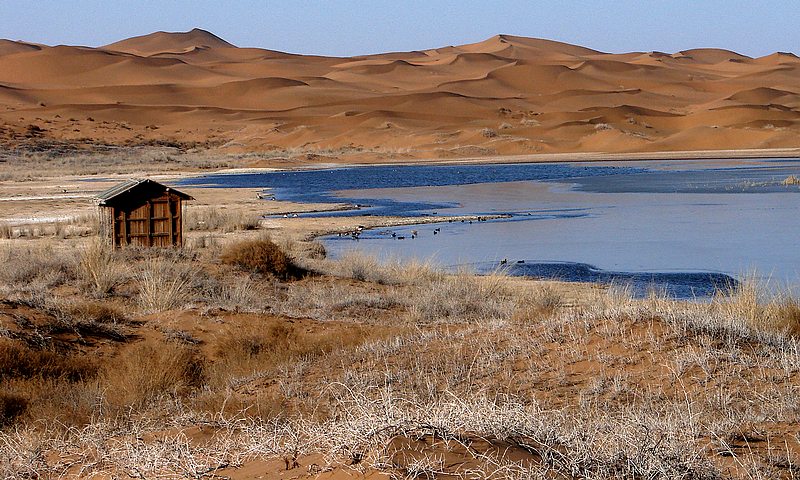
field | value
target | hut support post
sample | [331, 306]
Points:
[123, 229]
[149, 224]
[170, 216]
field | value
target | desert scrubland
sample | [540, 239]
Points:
[247, 353]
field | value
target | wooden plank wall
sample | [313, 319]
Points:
[154, 222]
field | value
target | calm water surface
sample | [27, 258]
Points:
[686, 227]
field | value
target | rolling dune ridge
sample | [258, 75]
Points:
[506, 95]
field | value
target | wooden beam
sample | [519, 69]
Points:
[149, 224]
[169, 215]
[123, 234]
[179, 211]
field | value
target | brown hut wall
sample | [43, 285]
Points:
[148, 222]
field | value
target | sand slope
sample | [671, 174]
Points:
[504, 95]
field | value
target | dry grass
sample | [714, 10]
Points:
[209, 218]
[101, 269]
[537, 304]
[395, 368]
[463, 297]
[84, 225]
[148, 371]
[166, 284]
[368, 268]
[56, 162]
[42, 383]
[19, 361]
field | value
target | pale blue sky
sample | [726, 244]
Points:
[350, 27]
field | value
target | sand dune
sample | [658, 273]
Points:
[503, 95]
[166, 42]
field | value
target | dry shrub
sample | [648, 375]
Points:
[488, 132]
[24, 268]
[207, 218]
[56, 402]
[241, 294]
[316, 250]
[93, 319]
[18, 361]
[12, 405]
[337, 300]
[5, 230]
[539, 303]
[149, 370]
[463, 297]
[754, 305]
[362, 267]
[786, 315]
[261, 256]
[247, 349]
[100, 269]
[367, 268]
[92, 311]
[260, 407]
[166, 283]
[47, 385]
[201, 242]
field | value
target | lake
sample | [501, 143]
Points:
[684, 227]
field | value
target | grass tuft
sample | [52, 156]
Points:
[166, 283]
[100, 269]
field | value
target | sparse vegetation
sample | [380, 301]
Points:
[488, 132]
[100, 268]
[381, 366]
[166, 283]
[212, 218]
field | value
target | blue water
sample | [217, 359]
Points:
[320, 186]
[686, 228]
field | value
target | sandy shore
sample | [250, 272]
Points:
[69, 198]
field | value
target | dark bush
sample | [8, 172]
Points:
[11, 407]
[262, 256]
[17, 361]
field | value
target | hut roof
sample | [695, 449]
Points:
[113, 193]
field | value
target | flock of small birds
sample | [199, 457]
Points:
[356, 234]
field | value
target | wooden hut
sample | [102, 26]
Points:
[142, 212]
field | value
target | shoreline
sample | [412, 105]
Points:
[577, 157]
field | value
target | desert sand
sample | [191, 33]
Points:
[505, 95]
